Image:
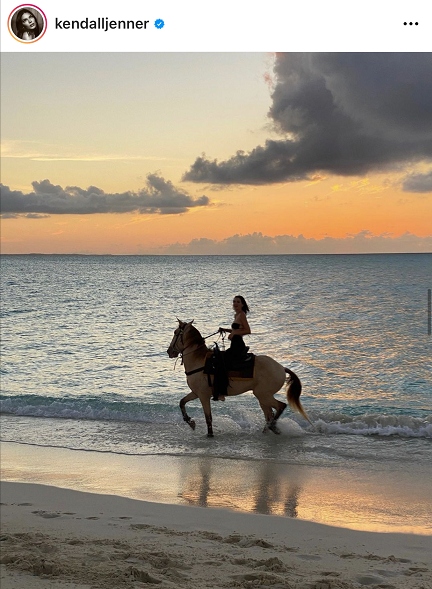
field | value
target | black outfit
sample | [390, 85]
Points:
[238, 349]
[225, 361]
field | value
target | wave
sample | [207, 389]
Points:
[87, 408]
[329, 423]
[4, 314]
[405, 426]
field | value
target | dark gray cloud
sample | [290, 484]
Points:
[27, 216]
[342, 113]
[418, 183]
[257, 243]
[158, 197]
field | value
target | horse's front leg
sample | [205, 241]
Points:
[183, 402]
[208, 416]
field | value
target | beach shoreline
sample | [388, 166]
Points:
[109, 541]
[359, 498]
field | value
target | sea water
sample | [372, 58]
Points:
[84, 342]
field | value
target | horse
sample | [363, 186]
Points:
[268, 379]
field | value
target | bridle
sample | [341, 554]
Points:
[182, 352]
[180, 334]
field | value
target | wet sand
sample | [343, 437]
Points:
[357, 499]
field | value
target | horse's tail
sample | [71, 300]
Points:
[293, 392]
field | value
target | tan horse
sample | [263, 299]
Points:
[268, 379]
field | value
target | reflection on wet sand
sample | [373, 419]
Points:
[359, 498]
[255, 486]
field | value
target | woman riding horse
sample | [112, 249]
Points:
[237, 351]
[268, 378]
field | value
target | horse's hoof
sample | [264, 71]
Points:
[274, 429]
[210, 435]
[265, 430]
[192, 424]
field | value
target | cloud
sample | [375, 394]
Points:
[43, 152]
[340, 113]
[27, 216]
[90, 158]
[257, 243]
[158, 197]
[418, 183]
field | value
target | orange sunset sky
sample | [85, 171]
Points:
[216, 153]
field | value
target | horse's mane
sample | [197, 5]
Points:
[196, 337]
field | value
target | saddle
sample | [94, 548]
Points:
[241, 369]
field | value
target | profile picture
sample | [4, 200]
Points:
[27, 23]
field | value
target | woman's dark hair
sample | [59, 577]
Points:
[245, 307]
[19, 25]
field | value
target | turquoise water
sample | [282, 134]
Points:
[84, 342]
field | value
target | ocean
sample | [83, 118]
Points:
[84, 362]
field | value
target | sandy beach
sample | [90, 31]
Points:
[92, 540]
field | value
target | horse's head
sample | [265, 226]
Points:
[182, 338]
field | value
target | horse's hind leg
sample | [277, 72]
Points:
[271, 418]
[281, 406]
[183, 402]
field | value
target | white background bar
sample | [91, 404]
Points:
[234, 26]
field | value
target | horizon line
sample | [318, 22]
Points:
[223, 255]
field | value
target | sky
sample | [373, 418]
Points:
[216, 153]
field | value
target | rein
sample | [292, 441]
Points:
[202, 367]
[207, 336]
[182, 354]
